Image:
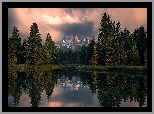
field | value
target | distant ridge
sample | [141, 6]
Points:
[73, 44]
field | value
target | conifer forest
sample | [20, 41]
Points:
[114, 47]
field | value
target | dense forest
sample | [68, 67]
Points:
[114, 47]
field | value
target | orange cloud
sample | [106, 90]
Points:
[25, 17]
[130, 18]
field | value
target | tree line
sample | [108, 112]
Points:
[113, 48]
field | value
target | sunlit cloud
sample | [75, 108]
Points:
[56, 20]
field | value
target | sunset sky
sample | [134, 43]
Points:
[65, 22]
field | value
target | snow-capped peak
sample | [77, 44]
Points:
[74, 43]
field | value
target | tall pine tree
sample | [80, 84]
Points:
[106, 41]
[14, 43]
[141, 42]
[90, 50]
[127, 47]
[49, 50]
[34, 46]
[94, 58]
[120, 54]
[134, 52]
[23, 49]
[83, 55]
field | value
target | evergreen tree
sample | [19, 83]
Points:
[120, 54]
[65, 57]
[101, 53]
[60, 56]
[34, 45]
[90, 50]
[76, 55]
[106, 41]
[110, 53]
[127, 47]
[141, 40]
[14, 43]
[94, 59]
[130, 48]
[23, 48]
[134, 52]
[69, 56]
[54, 53]
[83, 55]
[49, 50]
[145, 57]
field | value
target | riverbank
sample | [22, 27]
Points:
[122, 69]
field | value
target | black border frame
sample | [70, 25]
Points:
[6, 5]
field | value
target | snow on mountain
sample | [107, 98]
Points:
[73, 44]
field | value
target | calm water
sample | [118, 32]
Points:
[71, 88]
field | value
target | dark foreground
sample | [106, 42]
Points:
[69, 87]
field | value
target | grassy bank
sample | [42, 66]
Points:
[32, 67]
[122, 69]
[24, 67]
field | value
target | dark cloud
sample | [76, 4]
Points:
[62, 22]
[82, 30]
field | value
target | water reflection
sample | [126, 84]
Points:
[63, 88]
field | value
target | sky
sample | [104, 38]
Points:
[70, 22]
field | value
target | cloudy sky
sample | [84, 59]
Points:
[65, 22]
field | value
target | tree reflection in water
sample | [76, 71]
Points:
[111, 88]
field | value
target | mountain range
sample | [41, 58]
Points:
[73, 44]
